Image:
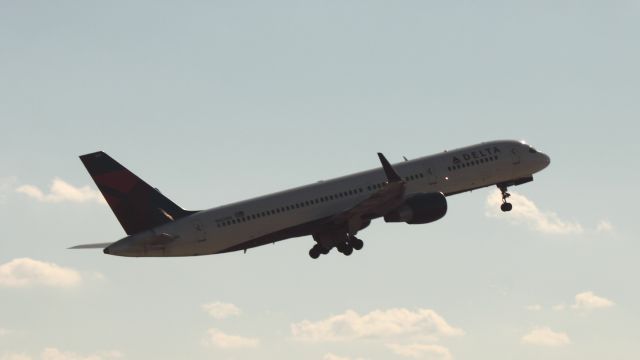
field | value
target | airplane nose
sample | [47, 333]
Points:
[546, 160]
[106, 251]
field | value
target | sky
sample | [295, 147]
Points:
[220, 101]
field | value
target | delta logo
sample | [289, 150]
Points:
[477, 154]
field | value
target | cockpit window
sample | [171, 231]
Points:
[532, 150]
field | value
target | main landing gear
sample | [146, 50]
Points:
[318, 250]
[346, 247]
[506, 206]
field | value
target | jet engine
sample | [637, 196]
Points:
[419, 209]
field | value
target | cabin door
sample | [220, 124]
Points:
[515, 156]
[432, 178]
[201, 234]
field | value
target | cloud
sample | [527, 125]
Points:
[61, 191]
[25, 272]
[377, 324]
[330, 356]
[56, 354]
[535, 307]
[543, 336]
[586, 301]
[220, 310]
[526, 212]
[5, 332]
[217, 338]
[421, 351]
[15, 356]
[589, 301]
[604, 226]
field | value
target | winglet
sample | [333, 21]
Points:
[392, 176]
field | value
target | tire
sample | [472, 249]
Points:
[356, 243]
[506, 207]
[314, 252]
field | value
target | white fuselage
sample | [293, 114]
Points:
[250, 223]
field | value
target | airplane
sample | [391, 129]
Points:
[332, 212]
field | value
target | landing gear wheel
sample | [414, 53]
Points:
[348, 251]
[315, 252]
[356, 243]
[505, 207]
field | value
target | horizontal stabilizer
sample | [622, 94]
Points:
[91, 246]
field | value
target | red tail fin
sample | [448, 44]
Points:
[137, 205]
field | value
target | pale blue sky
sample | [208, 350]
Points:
[214, 102]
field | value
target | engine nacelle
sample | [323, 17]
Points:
[420, 209]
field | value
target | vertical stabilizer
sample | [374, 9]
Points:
[137, 205]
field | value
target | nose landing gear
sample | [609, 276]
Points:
[506, 206]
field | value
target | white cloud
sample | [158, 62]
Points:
[421, 351]
[61, 191]
[5, 332]
[15, 356]
[217, 338]
[526, 212]
[25, 272]
[220, 310]
[535, 307]
[604, 226]
[589, 301]
[377, 324]
[56, 354]
[543, 336]
[559, 307]
[331, 356]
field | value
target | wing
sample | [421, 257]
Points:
[91, 246]
[379, 203]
